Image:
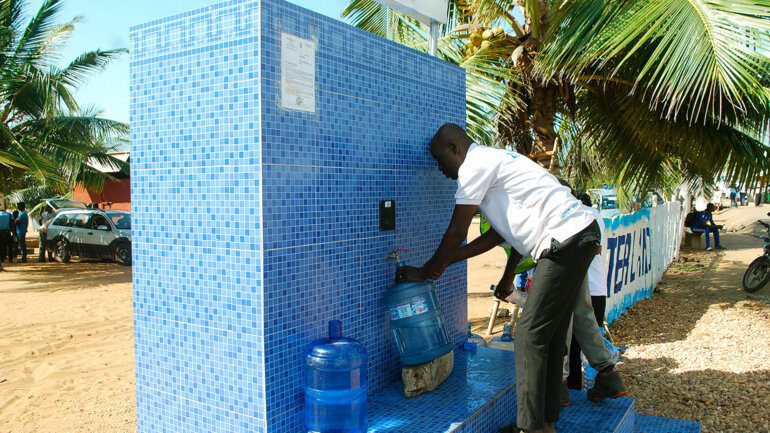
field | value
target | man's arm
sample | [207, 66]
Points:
[478, 246]
[506, 281]
[711, 221]
[448, 249]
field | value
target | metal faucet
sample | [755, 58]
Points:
[393, 255]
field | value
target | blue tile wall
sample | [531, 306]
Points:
[255, 225]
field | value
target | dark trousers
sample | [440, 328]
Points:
[43, 247]
[12, 246]
[575, 378]
[21, 238]
[5, 240]
[542, 328]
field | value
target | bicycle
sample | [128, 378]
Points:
[758, 273]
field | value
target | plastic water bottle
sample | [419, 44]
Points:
[590, 374]
[473, 341]
[517, 297]
[335, 384]
[615, 354]
[505, 341]
[416, 320]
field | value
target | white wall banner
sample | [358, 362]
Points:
[424, 11]
[637, 250]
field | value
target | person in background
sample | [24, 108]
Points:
[733, 195]
[5, 235]
[22, 224]
[742, 195]
[704, 223]
[595, 351]
[757, 197]
[45, 218]
[13, 245]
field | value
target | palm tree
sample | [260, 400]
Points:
[46, 138]
[647, 92]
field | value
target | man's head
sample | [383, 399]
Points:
[710, 208]
[448, 148]
[21, 206]
[48, 209]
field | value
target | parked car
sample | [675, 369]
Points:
[91, 233]
[605, 201]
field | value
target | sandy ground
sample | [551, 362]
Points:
[699, 348]
[66, 348]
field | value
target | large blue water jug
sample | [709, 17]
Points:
[335, 384]
[417, 321]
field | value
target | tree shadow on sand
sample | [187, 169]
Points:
[722, 401]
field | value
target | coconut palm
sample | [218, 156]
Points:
[650, 92]
[46, 138]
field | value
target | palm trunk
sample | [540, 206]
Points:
[543, 110]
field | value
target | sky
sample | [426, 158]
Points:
[105, 25]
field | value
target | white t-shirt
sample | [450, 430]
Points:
[524, 203]
[597, 272]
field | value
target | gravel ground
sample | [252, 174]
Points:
[700, 348]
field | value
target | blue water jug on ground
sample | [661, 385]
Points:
[473, 341]
[335, 384]
[416, 320]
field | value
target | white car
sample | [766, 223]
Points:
[91, 233]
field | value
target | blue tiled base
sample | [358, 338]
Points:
[480, 397]
[479, 391]
[654, 424]
[607, 416]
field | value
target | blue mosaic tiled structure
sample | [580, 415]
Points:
[255, 225]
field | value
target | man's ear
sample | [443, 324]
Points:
[454, 148]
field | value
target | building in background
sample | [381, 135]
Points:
[116, 193]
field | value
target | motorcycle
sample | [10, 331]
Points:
[758, 273]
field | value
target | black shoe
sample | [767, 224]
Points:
[564, 395]
[608, 384]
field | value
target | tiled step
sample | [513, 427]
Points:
[607, 416]
[654, 424]
[480, 397]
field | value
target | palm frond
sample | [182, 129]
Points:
[649, 150]
[39, 29]
[532, 9]
[703, 59]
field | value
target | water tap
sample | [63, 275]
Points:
[394, 256]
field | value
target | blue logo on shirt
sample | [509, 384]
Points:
[570, 210]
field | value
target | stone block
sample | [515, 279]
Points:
[424, 378]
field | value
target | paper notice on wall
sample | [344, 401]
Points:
[297, 73]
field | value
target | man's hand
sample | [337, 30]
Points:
[410, 273]
[504, 288]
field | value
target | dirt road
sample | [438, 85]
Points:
[66, 348]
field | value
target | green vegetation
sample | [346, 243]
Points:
[643, 94]
[46, 138]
